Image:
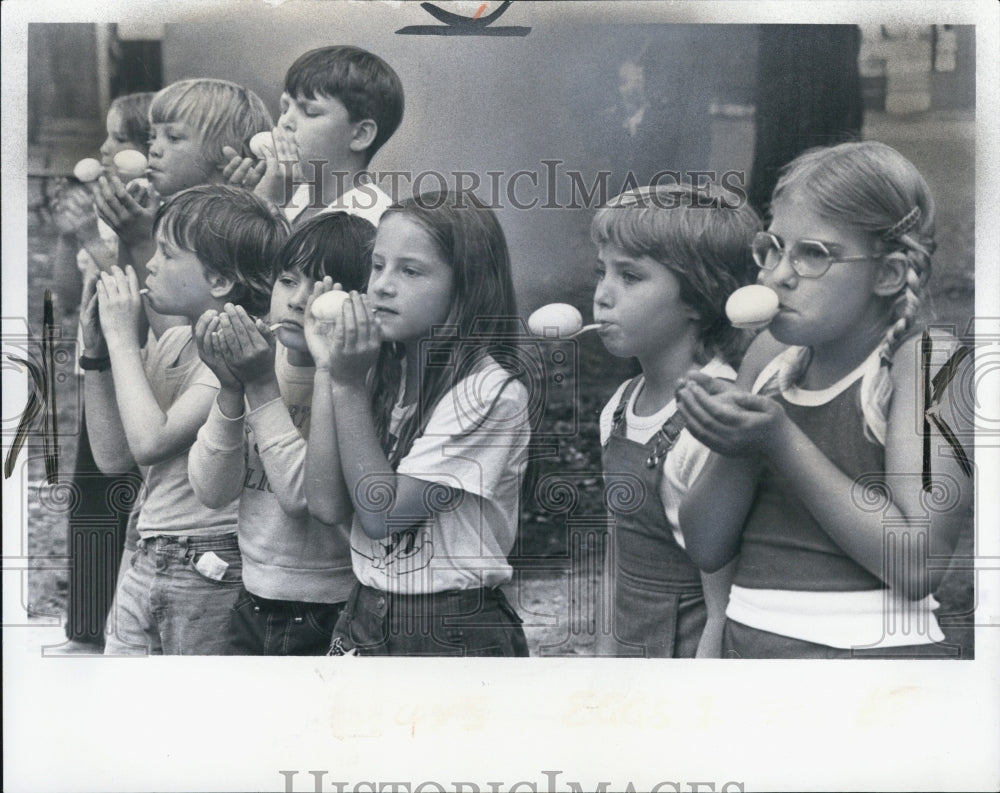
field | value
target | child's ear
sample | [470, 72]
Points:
[364, 134]
[891, 275]
[219, 286]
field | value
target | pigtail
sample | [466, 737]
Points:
[876, 385]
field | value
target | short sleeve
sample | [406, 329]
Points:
[477, 435]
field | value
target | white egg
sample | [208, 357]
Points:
[752, 307]
[261, 144]
[88, 169]
[557, 320]
[326, 307]
[131, 164]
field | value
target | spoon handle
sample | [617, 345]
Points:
[584, 329]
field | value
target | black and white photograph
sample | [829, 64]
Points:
[623, 369]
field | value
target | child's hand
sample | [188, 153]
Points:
[246, 344]
[242, 171]
[357, 339]
[319, 335]
[206, 338]
[73, 212]
[277, 162]
[120, 306]
[285, 147]
[129, 212]
[726, 418]
[90, 320]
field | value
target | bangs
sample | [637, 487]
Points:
[223, 113]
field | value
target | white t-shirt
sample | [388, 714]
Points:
[366, 201]
[465, 546]
[682, 466]
[169, 504]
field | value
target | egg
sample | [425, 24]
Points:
[557, 320]
[131, 164]
[326, 307]
[262, 144]
[752, 307]
[88, 169]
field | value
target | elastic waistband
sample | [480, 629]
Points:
[219, 542]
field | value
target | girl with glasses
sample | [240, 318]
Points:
[827, 479]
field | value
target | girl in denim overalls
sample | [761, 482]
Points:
[668, 258]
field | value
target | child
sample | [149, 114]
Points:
[214, 245]
[815, 478]
[340, 105]
[296, 569]
[84, 241]
[432, 464]
[87, 246]
[668, 257]
[192, 121]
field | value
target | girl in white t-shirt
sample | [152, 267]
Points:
[420, 425]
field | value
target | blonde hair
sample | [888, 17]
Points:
[226, 114]
[872, 187]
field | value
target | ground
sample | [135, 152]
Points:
[559, 552]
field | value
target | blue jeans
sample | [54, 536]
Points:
[175, 597]
[467, 622]
[260, 626]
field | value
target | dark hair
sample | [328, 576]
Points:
[365, 84]
[134, 111]
[232, 232]
[332, 243]
[703, 240]
[483, 311]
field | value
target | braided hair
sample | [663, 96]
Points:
[873, 187]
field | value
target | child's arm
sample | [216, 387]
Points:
[107, 436]
[130, 212]
[216, 462]
[716, 587]
[326, 492]
[152, 434]
[887, 537]
[384, 501]
[715, 507]
[248, 348]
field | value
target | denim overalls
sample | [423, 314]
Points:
[658, 608]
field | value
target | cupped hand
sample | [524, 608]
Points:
[206, 338]
[120, 305]
[726, 418]
[246, 344]
[357, 339]
[129, 212]
[242, 171]
[90, 320]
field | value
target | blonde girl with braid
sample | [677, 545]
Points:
[837, 491]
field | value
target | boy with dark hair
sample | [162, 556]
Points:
[296, 569]
[214, 244]
[339, 107]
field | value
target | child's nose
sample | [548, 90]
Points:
[286, 120]
[299, 296]
[602, 295]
